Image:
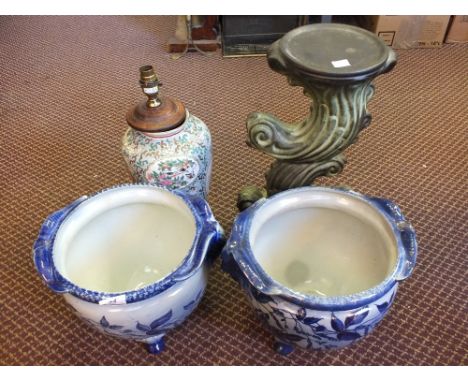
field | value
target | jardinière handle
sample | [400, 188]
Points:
[42, 249]
[212, 237]
[407, 236]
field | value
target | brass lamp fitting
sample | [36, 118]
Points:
[150, 85]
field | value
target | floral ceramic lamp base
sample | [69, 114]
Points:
[335, 64]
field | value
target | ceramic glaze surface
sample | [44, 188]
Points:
[149, 320]
[176, 159]
[131, 260]
[320, 266]
[323, 251]
[294, 324]
[125, 248]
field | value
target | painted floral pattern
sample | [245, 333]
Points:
[173, 173]
[315, 329]
[142, 330]
[178, 161]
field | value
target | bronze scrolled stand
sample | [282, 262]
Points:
[335, 64]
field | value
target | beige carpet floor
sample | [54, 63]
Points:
[65, 86]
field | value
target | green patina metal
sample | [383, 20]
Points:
[335, 64]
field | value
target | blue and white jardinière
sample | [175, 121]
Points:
[131, 260]
[320, 266]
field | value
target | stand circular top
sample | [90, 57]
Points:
[334, 50]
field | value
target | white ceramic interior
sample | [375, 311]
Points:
[323, 242]
[124, 239]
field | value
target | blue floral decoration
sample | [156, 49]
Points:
[310, 321]
[293, 325]
[156, 327]
[138, 330]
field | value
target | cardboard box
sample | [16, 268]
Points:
[407, 32]
[458, 30]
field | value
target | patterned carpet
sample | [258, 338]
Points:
[66, 84]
